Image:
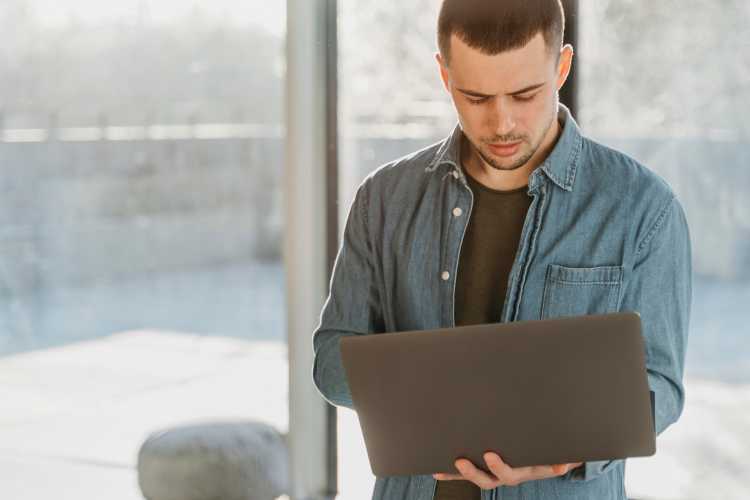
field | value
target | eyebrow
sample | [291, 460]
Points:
[522, 91]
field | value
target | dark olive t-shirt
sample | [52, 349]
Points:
[487, 254]
[488, 251]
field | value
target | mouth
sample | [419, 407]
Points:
[505, 149]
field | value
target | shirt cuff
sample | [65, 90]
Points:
[591, 470]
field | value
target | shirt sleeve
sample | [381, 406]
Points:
[353, 306]
[660, 289]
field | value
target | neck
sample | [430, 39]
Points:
[505, 180]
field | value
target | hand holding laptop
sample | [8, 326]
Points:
[503, 473]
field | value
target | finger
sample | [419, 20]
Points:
[477, 476]
[504, 472]
[561, 469]
[448, 476]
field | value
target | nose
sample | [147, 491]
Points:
[501, 118]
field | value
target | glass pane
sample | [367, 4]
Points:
[141, 283]
[667, 83]
[392, 101]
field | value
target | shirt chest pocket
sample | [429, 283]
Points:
[578, 291]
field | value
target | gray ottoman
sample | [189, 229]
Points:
[226, 460]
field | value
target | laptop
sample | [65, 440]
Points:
[538, 392]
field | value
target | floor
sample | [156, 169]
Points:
[83, 410]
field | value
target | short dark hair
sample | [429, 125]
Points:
[496, 26]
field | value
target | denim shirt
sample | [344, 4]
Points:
[603, 234]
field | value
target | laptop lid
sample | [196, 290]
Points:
[537, 392]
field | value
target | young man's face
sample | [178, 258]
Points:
[507, 102]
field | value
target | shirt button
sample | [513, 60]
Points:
[455, 174]
[456, 211]
[446, 275]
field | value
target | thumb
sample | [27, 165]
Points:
[560, 469]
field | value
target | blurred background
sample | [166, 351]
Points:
[141, 215]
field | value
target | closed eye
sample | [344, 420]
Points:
[476, 102]
[524, 99]
[479, 101]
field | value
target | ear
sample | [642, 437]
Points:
[443, 73]
[563, 64]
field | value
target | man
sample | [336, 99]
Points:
[515, 216]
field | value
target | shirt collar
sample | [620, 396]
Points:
[560, 166]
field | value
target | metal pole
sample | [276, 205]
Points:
[305, 240]
[332, 202]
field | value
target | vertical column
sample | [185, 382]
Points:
[332, 206]
[305, 239]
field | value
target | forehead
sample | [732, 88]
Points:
[504, 72]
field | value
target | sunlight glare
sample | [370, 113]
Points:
[271, 15]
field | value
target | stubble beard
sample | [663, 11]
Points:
[513, 137]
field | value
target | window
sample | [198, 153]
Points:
[141, 283]
[667, 83]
